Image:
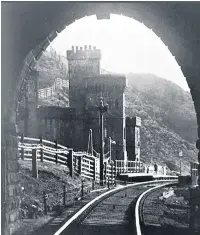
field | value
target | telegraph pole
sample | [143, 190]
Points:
[102, 109]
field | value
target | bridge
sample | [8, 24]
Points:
[177, 24]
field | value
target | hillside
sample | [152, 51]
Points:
[51, 178]
[169, 104]
[168, 119]
[167, 112]
[60, 98]
[50, 66]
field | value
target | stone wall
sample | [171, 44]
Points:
[133, 138]
[11, 187]
[111, 88]
[27, 106]
[56, 16]
[86, 85]
[64, 125]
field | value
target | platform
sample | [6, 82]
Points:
[139, 177]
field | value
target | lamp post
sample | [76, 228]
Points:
[102, 109]
[180, 155]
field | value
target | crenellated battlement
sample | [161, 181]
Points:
[82, 53]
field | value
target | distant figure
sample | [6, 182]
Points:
[148, 170]
[155, 168]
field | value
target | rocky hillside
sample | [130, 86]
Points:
[167, 112]
[168, 119]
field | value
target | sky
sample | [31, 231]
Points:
[126, 45]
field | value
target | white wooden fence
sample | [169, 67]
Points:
[45, 150]
[79, 163]
[129, 166]
[49, 91]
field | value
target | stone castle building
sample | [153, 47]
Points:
[71, 125]
[86, 85]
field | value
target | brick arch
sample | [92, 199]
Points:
[28, 28]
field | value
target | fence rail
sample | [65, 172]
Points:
[129, 166]
[49, 91]
[79, 163]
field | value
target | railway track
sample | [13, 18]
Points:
[149, 214]
[110, 213]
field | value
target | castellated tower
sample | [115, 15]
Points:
[86, 85]
[81, 63]
[111, 87]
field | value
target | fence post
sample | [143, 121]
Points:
[93, 184]
[112, 173]
[34, 163]
[56, 146]
[80, 165]
[70, 163]
[22, 149]
[115, 169]
[108, 182]
[82, 189]
[94, 176]
[64, 195]
[41, 150]
[45, 202]
[105, 172]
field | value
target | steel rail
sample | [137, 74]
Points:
[138, 205]
[85, 210]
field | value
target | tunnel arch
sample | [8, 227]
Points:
[143, 13]
[167, 20]
[173, 29]
[158, 17]
[29, 27]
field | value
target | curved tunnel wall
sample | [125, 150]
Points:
[29, 27]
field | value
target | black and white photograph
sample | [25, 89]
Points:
[100, 117]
